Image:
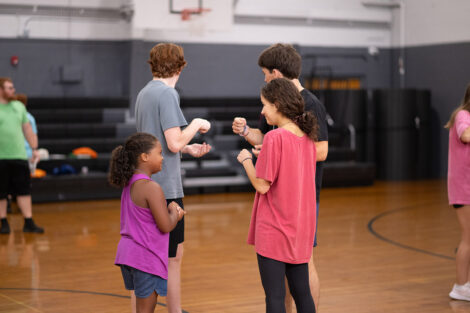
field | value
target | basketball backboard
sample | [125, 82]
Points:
[170, 14]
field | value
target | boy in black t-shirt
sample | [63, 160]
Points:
[277, 61]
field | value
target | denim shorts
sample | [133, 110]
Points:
[143, 283]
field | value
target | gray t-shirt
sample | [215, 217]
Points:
[158, 109]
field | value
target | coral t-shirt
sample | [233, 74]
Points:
[458, 174]
[283, 220]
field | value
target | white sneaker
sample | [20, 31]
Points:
[460, 293]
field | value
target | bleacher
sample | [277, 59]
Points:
[68, 123]
[99, 123]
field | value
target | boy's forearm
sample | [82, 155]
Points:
[322, 150]
[177, 139]
[254, 137]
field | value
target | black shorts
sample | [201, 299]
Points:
[15, 178]
[457, 206]
[177, 234]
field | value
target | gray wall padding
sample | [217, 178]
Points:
[104, 66]
[445, 71]
[120, 69]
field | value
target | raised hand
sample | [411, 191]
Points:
[244, 155]
[198, 150]
[204, 125]
[174, 207]
[238, 125]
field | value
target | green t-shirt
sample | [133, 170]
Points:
[12, 117]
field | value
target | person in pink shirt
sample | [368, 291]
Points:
[458, 185]
[146, 220]
[283, 222]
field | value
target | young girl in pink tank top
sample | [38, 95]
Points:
[283, 220]
[146, 220]
[458, 187]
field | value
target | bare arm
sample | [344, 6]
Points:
[465, 137]
[197, 150]
[30, 136]
[322, 150]
[177, 139]
[253, 135]
[262, 186]
[164, 218]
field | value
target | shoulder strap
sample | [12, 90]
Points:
[137, 177]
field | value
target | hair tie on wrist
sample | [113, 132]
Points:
[245, 131]
[248, 158]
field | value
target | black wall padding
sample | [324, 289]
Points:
[402, 133]
[423, 112]
[348, 107]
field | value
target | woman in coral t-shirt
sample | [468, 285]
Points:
[458, 183]
[283, 219]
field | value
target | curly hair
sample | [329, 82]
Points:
[282, 57]
[166, 60]
[125, 158]
[283, 94]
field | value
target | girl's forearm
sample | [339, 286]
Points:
[262, 186]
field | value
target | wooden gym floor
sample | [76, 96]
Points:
[385, 248]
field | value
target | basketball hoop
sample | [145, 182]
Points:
[186, 13]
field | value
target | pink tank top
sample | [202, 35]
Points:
[458, 174]
[142, 246]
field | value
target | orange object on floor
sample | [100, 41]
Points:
[85, 151]
[38, 173]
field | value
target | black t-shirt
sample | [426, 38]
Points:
[313, 105]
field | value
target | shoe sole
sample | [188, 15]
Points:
[456, 296]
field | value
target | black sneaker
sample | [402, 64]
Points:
[33, 229]
[5, 229]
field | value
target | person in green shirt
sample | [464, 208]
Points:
[15, 177]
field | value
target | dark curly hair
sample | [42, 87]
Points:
[289, 102]
[282, 57]
[166, 60]
[124, 158]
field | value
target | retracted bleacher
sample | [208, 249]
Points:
[99, 123]
[68, 123]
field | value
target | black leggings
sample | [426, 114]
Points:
[272, 277]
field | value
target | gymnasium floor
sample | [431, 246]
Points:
[385, 248]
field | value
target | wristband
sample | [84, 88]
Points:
[245, 131]
[248, 158]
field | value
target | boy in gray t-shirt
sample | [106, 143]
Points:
[158, 109]
[158, 112]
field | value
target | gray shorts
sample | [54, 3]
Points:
[143, 283]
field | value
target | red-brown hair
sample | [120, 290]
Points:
[3, 80]
[166, 60]
[22, 98]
